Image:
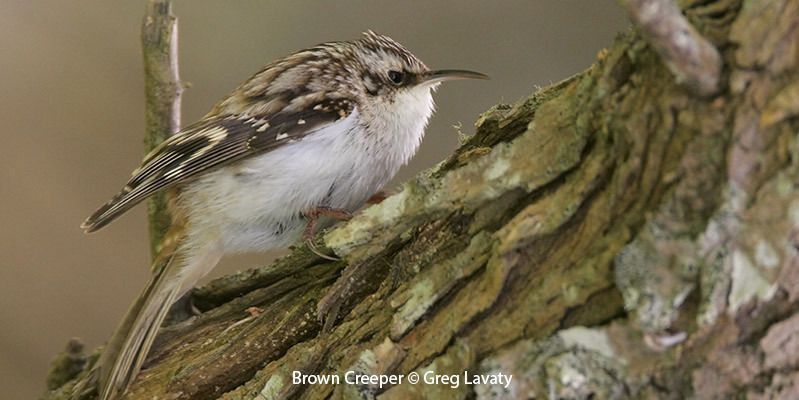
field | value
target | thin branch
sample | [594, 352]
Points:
[163, 89]
[693, 60]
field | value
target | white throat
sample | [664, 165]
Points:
[396, 128]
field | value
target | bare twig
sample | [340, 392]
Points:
[693, 60]
[163, 88]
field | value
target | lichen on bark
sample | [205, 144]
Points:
[616, 235]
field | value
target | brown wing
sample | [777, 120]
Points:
[209, 144]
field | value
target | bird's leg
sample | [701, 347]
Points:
[377, 198]
[312, 215]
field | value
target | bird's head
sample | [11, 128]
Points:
[387, 71]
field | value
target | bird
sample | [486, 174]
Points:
[310, 135]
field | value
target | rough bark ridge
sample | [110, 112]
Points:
[621, 234]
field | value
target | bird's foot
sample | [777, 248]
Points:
[312, 216]
[378, 197]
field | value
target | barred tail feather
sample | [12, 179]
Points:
[125, 354]
[127, 350]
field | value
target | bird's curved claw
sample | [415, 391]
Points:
[312, 246]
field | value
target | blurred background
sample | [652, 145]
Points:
[71, 109]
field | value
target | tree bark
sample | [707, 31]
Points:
[163, 89]
[630, 232]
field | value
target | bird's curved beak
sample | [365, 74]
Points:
[435, 77]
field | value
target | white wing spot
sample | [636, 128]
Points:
[173, 172]
[214, 135]
[317, 107]
[281, 136]
[301, 122]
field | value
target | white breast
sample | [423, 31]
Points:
[256, 204]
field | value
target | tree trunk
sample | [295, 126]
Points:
[630, 232]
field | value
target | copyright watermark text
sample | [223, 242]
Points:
[386, 380]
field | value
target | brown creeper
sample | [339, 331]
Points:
[313, 134]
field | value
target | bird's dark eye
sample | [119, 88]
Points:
[396, 77]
